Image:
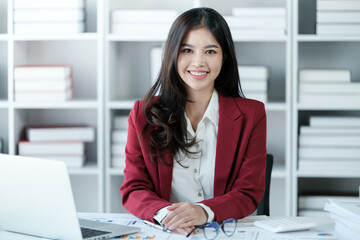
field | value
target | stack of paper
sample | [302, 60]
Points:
[43, 16]
[142, 23]
[63, 143]
[330, 143]
[338, 17]
[346, 215]
[119, 138]
[313, 205]
[253, 81]
[43, 83]
[327, 86]
[256, 21]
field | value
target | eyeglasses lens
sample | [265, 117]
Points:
[229, 226]
[211, 230]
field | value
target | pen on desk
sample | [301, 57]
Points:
[156, 226]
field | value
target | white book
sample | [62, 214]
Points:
[258, 22]
[338, 29]
[141, 29]
[253, 84]
[71, 161]
[324, 75]
[82, 133]
[43, 85]
[43, 72]
[39, 4]
[48, 15]
[119, 136]
[320, 130]
[121, 122]
[250, 72]
[51, 148]
[338, 5]
[329, 141]
[333, 121]
[259, 11]
[348, 209]
[118, 149]
[49, 27]
[318, 201]
[337, 17]
[260, 96]
[330, 152]
[143, 16]
[155, 62]
[329, 98]
[238, 33]
[44, 96]
[323, 165]
[329, 87]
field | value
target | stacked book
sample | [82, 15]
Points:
[313, 205]
[330, 143]
[346, 215]
[1, 146]
[256, 21]
[329, 86]
[43, 16]
[138, 24]
[338, 17]
[43, 83]
[253, 81]
[62, 143]
[155, 62]
[119, 138]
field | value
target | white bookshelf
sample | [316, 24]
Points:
[317, 51]
[112, 71]
[85, 53]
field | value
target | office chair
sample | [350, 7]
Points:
[264, 205]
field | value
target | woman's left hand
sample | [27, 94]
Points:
[184, 215]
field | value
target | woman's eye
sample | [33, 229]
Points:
[210, 51]
[186, 50]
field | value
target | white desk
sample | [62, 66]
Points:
[244, 230]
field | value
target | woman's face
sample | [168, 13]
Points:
[200, 61]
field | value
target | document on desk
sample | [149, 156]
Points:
[245, 230]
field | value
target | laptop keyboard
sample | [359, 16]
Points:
[88, 232]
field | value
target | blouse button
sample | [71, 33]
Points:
[199, 194]
[195, 170]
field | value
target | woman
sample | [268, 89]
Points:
[195, 153]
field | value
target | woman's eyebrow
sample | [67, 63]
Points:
[207, 46]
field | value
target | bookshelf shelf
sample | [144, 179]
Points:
[57, 37]
[3, 37]
[76, 104]
[317, 38]
[339, 173]
[3, 104]
[341, 107]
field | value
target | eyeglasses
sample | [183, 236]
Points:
[211, 229]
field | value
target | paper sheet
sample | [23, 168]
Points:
[245, 230]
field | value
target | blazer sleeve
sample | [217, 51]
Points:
[244, 193]
[138, 190]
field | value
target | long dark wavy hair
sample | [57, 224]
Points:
[165, 113]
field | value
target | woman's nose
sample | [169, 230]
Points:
[198, 60]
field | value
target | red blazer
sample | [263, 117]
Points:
[239, 168]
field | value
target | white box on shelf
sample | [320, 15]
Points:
[324, 75]
[338, 5]
[82, 133]
[337, 29]
[49, 27]
[119, 136]
[338, 17]
[333, 121]
[42, 84]
[45, 4]
[42, 72]
[71, 161]
[51, 148]
[48, 15]
[121, 122]
[328, 140]
[320, 130]
[259, 11]
[43, 96]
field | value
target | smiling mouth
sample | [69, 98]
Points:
[198, 74]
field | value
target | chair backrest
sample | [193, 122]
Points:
[264, 205]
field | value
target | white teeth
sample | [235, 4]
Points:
[198, 73]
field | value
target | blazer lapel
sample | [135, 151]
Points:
[229, 130]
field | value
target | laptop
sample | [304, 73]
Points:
[36, 199]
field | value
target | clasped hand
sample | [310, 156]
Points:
[183, 217]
